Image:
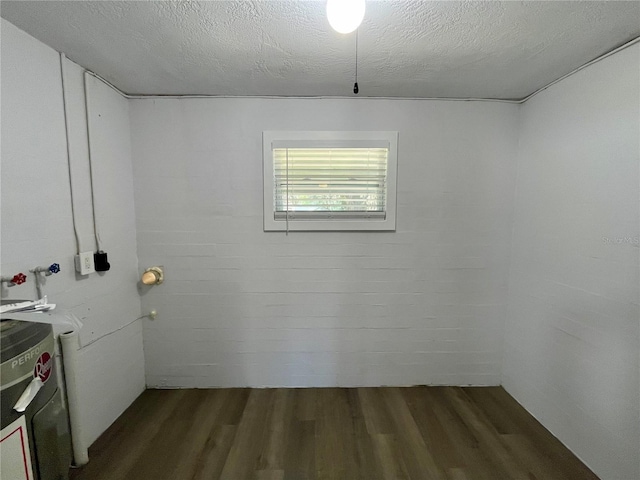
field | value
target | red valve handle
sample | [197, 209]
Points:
[19, 278]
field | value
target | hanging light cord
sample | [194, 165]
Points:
[355, 85]
[287, 210]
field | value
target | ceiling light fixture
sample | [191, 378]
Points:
[345, 15]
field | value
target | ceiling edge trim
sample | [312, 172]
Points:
[582, 67]
[319, 97]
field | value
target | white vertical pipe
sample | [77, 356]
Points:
[87, 107]
[63, 58]
[70, 342]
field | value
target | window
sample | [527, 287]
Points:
[329, 180]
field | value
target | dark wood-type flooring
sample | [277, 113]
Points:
[329, 433]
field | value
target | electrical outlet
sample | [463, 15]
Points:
[84, 263]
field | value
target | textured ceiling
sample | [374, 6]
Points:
[463, 49]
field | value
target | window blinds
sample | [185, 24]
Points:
[330, 182]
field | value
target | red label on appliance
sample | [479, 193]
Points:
[43, 367]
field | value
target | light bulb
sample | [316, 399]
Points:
[345, 15]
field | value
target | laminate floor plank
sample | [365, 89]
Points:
[416, 433]
[389, 461]
[538, 466]
[457, 474]
[569, 466]
[336, 456]
[486, 434]
[480, 465]
[213, 457]
[275, 445]
[416, 457]
[269, 475]
[436, 437]
[203, 432]
[300, 461]
[234, 405]
[306, 403]
[376, 415]
[243, 458]
[158, 456]
[484, 399]
[367, 465]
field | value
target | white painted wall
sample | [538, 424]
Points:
[36, 215]
[241, 307]
[572, 330]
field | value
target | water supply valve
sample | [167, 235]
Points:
[53, 268]
[19, 279]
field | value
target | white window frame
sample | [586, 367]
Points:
[320, 139]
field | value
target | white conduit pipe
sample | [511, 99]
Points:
[70, 342]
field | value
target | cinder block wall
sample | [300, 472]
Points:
[572, 331]
[241, 307]
[36, 216]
